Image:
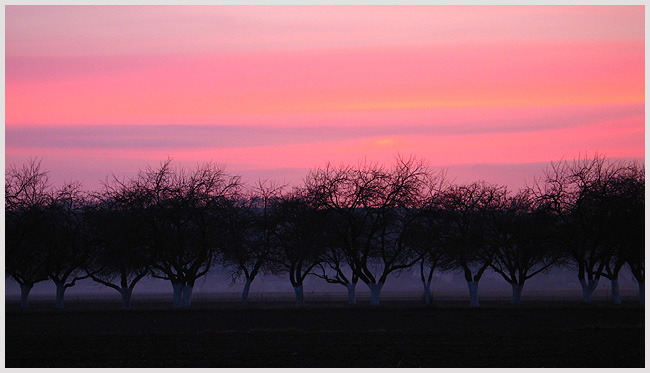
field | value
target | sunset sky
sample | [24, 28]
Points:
[490, 92]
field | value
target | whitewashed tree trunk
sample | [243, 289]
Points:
[60, 293]
[616, 295]
[126, 297]
[247, 288]
[588, 289]
[473, 293]
[300, 297]
[187, 295]
[375, 293]
[178, 292]
[24, 294]
[642, 292]
[352, 292]
[516, 293]
[427, 292]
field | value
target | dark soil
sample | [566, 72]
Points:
[327, 335]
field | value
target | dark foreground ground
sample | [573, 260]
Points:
[325, 334]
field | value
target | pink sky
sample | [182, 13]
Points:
[490, 92]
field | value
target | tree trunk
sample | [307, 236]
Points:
[187, 295]
[247, 288]
[375, 292]
[300, 297]
[473, 293]
[588, 289]
[427, 292]
[352, 297]
[616, 295]
[178, 292]
[642, 293]
[516, 293]
[126, 297]
[24, 294]
[60, 292]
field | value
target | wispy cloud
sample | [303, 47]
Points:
[99, 88]
[227, 136]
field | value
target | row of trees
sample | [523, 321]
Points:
[345, 224]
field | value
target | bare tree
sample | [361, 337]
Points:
[26, 198]
[426, 234]
[371, 202]
[465, 212]
[69, 248]
[247, 233]
[522, 241]
[181, 222]
[624, 208]
[122, 254]
[335, 270]
[427, 240]
[576, 191]
[299, 233]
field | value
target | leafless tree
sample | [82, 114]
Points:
[371, 203]
[465, 212]
[69, 248]
[180, 205]
[247, 230]
[522, 241]
[300, 240]
[26, 198]
[426, 234]
[623, 210]
[122, 254]
[577, 192]
[427, 240]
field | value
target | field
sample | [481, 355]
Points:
[221, 333]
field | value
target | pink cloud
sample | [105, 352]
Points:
[454, 85]
[214, 89]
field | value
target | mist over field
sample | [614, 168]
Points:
[325, 186]
[561, 284]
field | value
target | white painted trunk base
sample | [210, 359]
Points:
[178, 292]
[642, 292]
[60, 293]
[126, 297]
[516, 293]
[352, 297]
[473, 293]
[24, 295]
[375, 292]
[247, 288]
[427, 292]
[300, 297]
[588, 289]
[187, 296]
[616, 295]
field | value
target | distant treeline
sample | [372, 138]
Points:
[345, 224]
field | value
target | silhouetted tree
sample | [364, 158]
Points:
[371, 204]
[577, 193]
[522, 241]
[465, 214]
[247, 233]
[426, 234]
[181, 220]
[300, 240]
[69, 248]
[624, 202]
[427, 239]
[334, 269]
[122, 253]
[26, 198]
